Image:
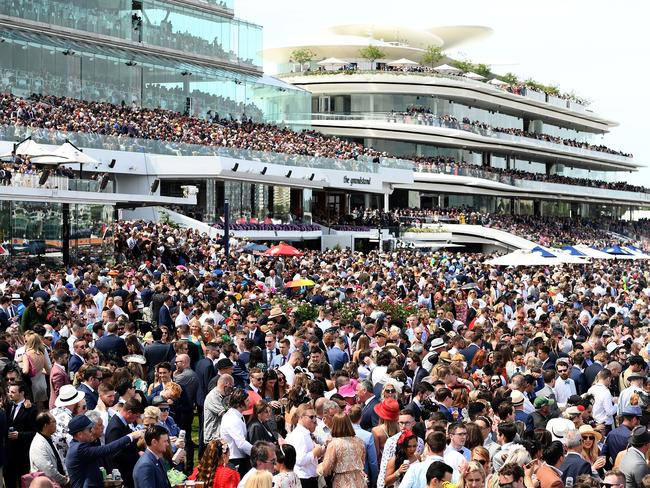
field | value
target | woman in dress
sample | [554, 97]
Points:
[388, 412]
[405, 455]
[213, 469]
[286, 460]
[196, 336]
[35, 362]
[270, 390]
[345, 455]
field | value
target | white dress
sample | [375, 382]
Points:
[286, 480]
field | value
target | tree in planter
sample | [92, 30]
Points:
[372, 54]
[431, 56]
[509, 78]
[302, 56]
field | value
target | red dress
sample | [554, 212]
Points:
[224, 477]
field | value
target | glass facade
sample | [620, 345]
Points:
[28, 66]
[34, 231]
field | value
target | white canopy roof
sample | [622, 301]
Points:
[523, 257]
[331, 61]
[473, 76]
[445, 68]
[30, 148]
[636, 253]
[496, 82]
[593, 253]
[403, 62]
[73, 155]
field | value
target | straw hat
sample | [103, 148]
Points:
[276, 312]
[586, 429]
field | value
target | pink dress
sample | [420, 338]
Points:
[345, 458]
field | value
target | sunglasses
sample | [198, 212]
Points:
[589, 438]
[561, 370]
[390, 391]
[482, 462]
[164, 409]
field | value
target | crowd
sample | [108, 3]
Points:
[423, 115]
[393, 370]
[371, 218]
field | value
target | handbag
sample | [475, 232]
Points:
[26, 479]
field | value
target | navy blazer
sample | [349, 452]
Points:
[205, 371]
[91, 397]
[82, 462]
[165, 317]
[469, 352]
[369, 418]
[157, 353]
[337, 358]
[573, 466]
[124, 459]
[521, 416]
[149, 472]
[74, 363]
[112, 347]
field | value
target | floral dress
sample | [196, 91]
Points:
[345, 458]
[288, 479]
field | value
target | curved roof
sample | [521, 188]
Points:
[454, 35]
[389, 33]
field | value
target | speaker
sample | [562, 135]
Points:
[44, 176]
[311, 178]
[112, 163]
[288, 175]
[155, 185]
[235, 167]
[263, 172]
[103, 182]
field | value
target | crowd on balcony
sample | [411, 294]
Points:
[448, 165]
[424, 115]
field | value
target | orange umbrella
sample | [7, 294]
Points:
[283, 250]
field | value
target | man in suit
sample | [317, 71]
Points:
[58, 375]
[477, 343]
[547, 392]
[544, 354]
[91, 379]
[165, 313]
[157, 352]
[76, 360]
[423, 391]
[282, 357]
[84, 454]
[592, 371]
[521, 416]
[20, 421]
[205, 372]
[574, 464]
[369, 418]
[337, 355]
[111, 345]
[254, 332]
[548, 473]
[270, 351]
[414, 369]
[118, 427]
[634, 465]
[149, 471]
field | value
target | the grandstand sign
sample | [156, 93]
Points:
[356, 181]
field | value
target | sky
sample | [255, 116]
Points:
[598, 49]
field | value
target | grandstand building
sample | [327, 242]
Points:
[477, 141]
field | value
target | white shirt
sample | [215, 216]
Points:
[306, 463]
[182, 319]
[563, 389]
[233, 430]
[604, 409]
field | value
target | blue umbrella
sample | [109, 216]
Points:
[543, 252]
[573, 251]
[617, 250]
[253, 246]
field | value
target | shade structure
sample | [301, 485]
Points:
[524, 257]
[255, 247]
[445, 68]
[636, 252]
[590, 252]
[616, 250]
[299, 283]
[403, 62]
[283, 249]
[544, 252]
[332, 62]
[30, 148]
[473, 76]
[573, 251]
[497, 82]
[73, 154]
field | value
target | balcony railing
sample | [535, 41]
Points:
[434, 121]
[363, 164]
[25, 180]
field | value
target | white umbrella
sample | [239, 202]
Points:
[593, 253]
[497, 82]
[637, 253]
[445, 68]
[29, 148]
[73, 154]
[473, 76]
[403, 62]
[332, 61]
[523, 257]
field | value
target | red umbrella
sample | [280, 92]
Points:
[283, 250]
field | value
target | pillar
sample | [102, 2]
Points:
[386, 205]
[65, 233]
[210, 211]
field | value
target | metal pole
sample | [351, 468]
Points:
[226, 227]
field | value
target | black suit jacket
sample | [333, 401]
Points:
[258, 338]
[4, 320]
[112, 347]
[369, 417]
[591, 372]
[573, 466]
[205, 371]
[421, 374]
[125, 458]
[17, 450]
[276, 351]
[91, 397]
[156, 353]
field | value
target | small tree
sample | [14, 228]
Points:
[509, 78]
[431, 56]
[482, 69]
[372, 54]
[302, 56]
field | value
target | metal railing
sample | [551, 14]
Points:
[54, 182]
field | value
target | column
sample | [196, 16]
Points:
[65, 232]
[386, 205]
[210, 211]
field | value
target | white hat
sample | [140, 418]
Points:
[68, 395]
[517, 397]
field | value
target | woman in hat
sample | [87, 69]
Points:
[388, 412]
[591, 448]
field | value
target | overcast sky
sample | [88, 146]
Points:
[598, 49]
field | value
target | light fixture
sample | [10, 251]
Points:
[131, 63]
[154, 186]
[235, 168]
[311, 178]
[186, 73]
[263, 172]
[112, 163]
[68, 52]
[288, 175]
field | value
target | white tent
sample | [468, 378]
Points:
[73, 155]
[473, 76]
[569, 258]
[497, 82]
[593, 253]
[403, 62]
[637, 253]
[30, 148]
[523, 257]
[332, 62]
[445, 68]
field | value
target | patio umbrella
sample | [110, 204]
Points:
[403, 62]
[254, 247]
[592, 252]
[38, 153]
[283, 250]
[73, 154]
[332, 62]
[473, 76]
[445, 68]
[524, 257]
[299, 283]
